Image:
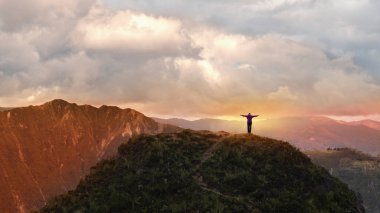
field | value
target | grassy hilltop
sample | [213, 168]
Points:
[194, 171]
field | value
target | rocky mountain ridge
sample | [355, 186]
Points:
[46, 149]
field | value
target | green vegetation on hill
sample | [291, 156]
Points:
[360, 171]
[206, 172]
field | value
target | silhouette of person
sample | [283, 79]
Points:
[249, 121]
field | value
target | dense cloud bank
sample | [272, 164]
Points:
[216, 58]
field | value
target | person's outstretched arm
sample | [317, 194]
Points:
[256, 116]
[243, 115]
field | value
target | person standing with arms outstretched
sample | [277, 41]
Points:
[249, 121]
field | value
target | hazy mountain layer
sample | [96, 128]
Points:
[306, 133]
[4, 108]
[205, 172]
[45, 150]
[369, 123]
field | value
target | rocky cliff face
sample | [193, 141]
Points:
[47, 149]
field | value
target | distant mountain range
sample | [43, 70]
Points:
[45, 150]
[369, 123]
[5, 108]
[306, 133]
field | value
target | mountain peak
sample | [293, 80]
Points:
[107, 107]
[57, 102]
[206, 172]
[54, 144]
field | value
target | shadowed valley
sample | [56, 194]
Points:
[360, 171]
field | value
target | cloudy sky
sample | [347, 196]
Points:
[214, 58]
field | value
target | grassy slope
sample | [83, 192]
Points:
[205, 172]
[360, 171]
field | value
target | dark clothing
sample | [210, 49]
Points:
[249, 127]
[249, 118]
[249, 121]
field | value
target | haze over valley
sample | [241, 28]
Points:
[306, 133]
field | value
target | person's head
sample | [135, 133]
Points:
[249, 113]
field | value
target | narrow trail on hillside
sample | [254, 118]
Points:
[199, 178]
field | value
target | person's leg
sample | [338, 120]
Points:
[249, 127]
